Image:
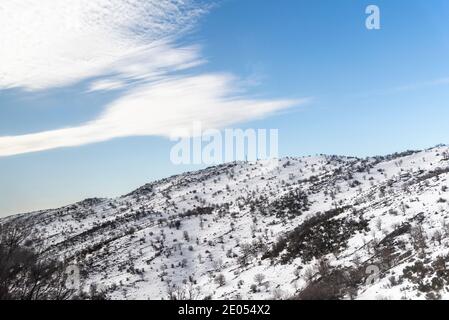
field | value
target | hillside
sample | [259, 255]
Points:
[311, 227]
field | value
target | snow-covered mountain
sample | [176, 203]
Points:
[312, 227]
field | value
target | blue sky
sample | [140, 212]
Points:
[370, 91]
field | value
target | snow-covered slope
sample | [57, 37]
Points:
[308, 228]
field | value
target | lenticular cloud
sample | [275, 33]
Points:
[117, 44]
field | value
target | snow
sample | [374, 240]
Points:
[141, 252]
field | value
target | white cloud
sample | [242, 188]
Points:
[421, 85]
[50, 43]
[106, 85]
[160, 109]
[122, 44]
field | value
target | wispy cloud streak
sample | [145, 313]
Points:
[47, 43]
[122, 44]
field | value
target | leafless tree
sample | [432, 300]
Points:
[259, 278]
[418, 238]
[26, 274]
[309, 274]
[220, 280]
[437, 236]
